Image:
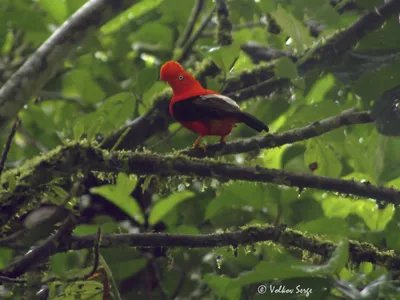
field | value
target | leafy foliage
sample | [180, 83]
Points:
[111, 81]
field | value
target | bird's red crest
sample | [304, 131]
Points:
[171, 70]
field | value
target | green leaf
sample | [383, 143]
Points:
[73, 6]
[221, 286]
[108, 225]
[265, 271]
[163, 207]
[285, 68]
[237, 195]
[335, 264]
[116, 110]
[5, 256]
[60, 194]
[267, 5]
[320, 10]
[128, 268]
[146, 78]
[155, 33]
[79, 129]
[82, 290]
[392, 231]
[129, 15]
[326, 226]
[57, 10]
[340, 257]
[94, 128]
[385, 81]
[320, 89]
[386, 112]
[223, 56]
[119, 194]
[328, 163]
[59, 264]
[293, 28]
[80, 83]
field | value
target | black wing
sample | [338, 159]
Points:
[205, 108]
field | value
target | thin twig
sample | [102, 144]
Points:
[50, 95]
[188, 46]
[38, 145]
[197, 8]
[12, 280]
[249, 25]
[110, 277]
[163, 290]
[166, 138]
[96, 254]
[179, 286]
[8, 144]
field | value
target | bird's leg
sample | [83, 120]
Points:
[197, 143]
[222, 140]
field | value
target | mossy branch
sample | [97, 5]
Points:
[359, 252]
[67, 160]
[348, 117]
[224, 28]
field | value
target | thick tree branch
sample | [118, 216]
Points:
[79, 157]
[359, 252]
[43, 64]
[259, 81]
[258, 52]
[348, 117]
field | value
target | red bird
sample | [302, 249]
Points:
[203, 111]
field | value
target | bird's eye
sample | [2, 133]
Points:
[180, 77]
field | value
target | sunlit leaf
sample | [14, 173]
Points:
[56, 10]
[285, 68]
[223, 56]
[129, 15]
[293, 28]
[119, 194]
[162, 207]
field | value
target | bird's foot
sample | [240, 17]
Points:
[222, 141]
[199, 146]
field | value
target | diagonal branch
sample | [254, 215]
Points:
[197, 8]
[348, 117]
[8, 144]
[42, 65]
[40, 253]
[187, 47]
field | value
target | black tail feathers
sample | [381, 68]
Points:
[253, 122]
